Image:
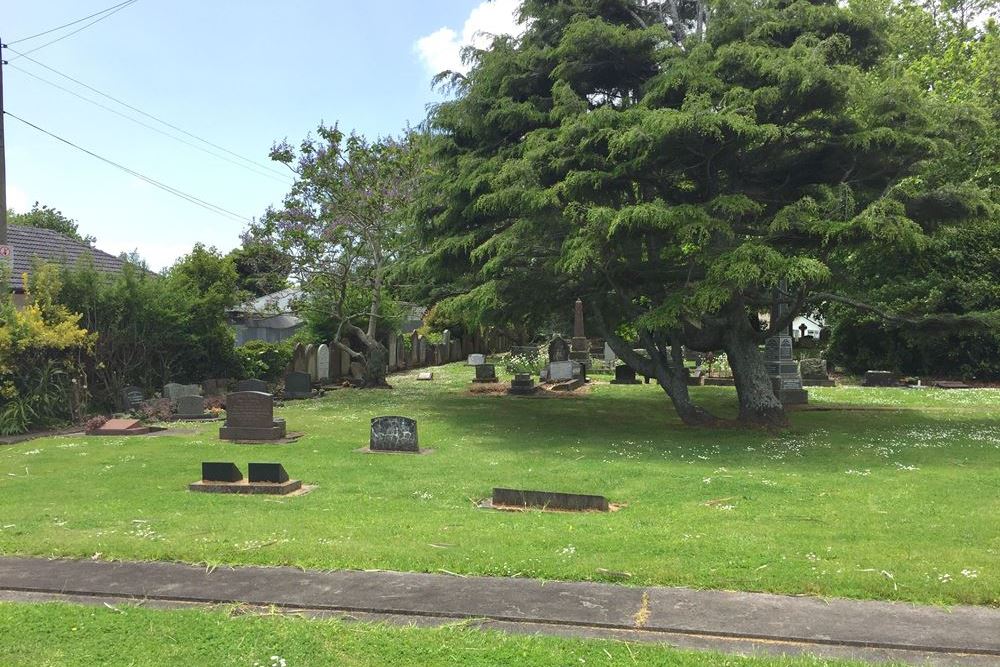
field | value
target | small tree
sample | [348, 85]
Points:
[343, 224]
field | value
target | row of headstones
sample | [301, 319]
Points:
[326, 362]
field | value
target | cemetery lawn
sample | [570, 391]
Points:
[897, 498]
[66, 635]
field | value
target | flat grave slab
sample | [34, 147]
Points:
[548, 500]
[121, 427]
[425, 377]
[948, 384]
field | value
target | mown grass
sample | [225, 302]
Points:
[898, 500]
[65, 635]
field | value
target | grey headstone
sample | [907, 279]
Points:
[558, 349]
[425, 377]
[311, 363]
[132, 397]
[323, 362]
[252, 385]
[394, 434]
[298, 385]
[190, 406]
[250, 416]
[560, 370]
[476, 359]
[299, 359]
[813, 369]
[174, 391]
[486, 373]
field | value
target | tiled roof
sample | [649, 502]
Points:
[50, 246]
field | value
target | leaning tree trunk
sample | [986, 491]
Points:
[376, 365]
[758, 403]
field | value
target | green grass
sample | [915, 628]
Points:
[65, 635]
[889, 503]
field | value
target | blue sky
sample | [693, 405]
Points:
[239, 73]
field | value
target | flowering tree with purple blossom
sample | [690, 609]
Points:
[344, 225]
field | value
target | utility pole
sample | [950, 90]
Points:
[3, 158]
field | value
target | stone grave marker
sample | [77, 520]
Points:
[250, 416]
[121, 427]
[174, 391]
[476, 359]
[311, 365]
[220, 472]
[560, 371]
[298, 385]
[252, 385]
[323, 363]
[215, 386]
[299, 358]
[609, 355]
[814, 373]
[132, 397]
[426, 376]
[391, 349]
[394, 434]
[522, 385]
[190, 406]
[486, 374]
[558, 350]
[272, 473]
[549, 500]
[880, 379]
[624, 375]
[345, 364]
[264, 479]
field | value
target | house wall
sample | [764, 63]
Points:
[245, 334]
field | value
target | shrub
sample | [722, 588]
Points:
[155, 410]
[95, 423]
[264, 361]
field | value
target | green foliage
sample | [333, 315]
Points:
[262, 268]
[264, 361]
[46, 217]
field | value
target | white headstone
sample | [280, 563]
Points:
[477, 359]
[323, 362]
[561, 370]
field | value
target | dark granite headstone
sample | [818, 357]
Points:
[190, 406]
[394, 434]
[558, 350]
[486, 374]
[220, 472]
[880, 379]
[549, 500]
[624, 375]
[132, 397]
[252, 385]
[250, 416]
[273, 473]
[298, 384]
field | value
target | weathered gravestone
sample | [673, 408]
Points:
[476, 360]
[814, 373]
[880, 379]
[560, 371]
[215, 386]
[311, 363]
[174, 391]
[394, 434]
[426, 376]
[581, 346]
[391, 349]
[486, 374]
[298, 385]
[250, 416]
[252, 385]
[624, 375]
[609, 355]
[190, 406]
[522, 385]
[299, 358]
[558, 349]
[132, 397]
[548, 500]
[323, 363]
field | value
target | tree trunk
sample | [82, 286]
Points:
[674, 384]
[376, 365]
[758, 404]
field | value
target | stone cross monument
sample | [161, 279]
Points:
[779, 360]
[580, 344]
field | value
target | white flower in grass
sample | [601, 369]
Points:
[944, 578]
[707, 480]
[970, 574]
[568, 550]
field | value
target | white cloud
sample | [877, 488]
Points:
[17, 199]
[442, 49]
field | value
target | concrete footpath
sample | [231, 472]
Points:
[725, 621]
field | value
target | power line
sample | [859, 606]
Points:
[66, 25]
[163, 186]
[59, 39]
[149, 115]
[193, 145]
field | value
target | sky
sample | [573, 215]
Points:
[240, 73]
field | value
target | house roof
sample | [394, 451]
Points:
[47, 245]
[278, 303]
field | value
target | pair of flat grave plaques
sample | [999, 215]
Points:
[264, 478]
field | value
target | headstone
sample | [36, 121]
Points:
[880, 379]
[250, 416]
[323, 363]
[345, 364]
[215, 386]
[299, 359]
[476, 359]
[624, 375]
[780, 362]
[813, 369]
[333, 370]
[298, 385]
[271, 473]
[522, 385]
[174, 391]
[609, 355]
[312, 366]
[425, 377]
[220, 472]
[558, 349]
[357, 370]
[391, 348]
[549, 500]
[394, 434]
[132, 397]
[486, 374]
[190, 406]
[252, 385]
[560, 371]
[415, 354]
